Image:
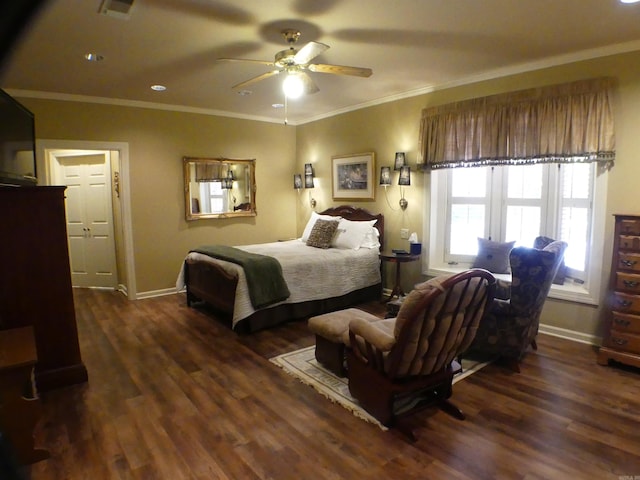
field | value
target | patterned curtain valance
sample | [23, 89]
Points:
[565, 123]
[212, 171]
[207, 172]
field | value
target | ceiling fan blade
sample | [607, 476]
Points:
[309, 85]
[247, 60]
[340, 70]
[253, 80]
[310, 51]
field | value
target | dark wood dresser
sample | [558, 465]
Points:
[36, 281]
[621, 341]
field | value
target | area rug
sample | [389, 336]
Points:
[303, 365]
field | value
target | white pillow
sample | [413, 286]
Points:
[312, 221]
[351, 235]
[371, 239]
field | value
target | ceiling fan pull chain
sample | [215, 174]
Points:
[286, 110]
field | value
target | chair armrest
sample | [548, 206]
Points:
[501, 308]
[371, 334]
[503, 290]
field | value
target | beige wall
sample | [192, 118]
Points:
[157, 142]
[388, 128]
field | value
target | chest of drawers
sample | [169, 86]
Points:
[622, 336]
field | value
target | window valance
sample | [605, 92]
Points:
[212, 171]
[565, 123]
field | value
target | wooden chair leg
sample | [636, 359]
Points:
[451, 409]
[402, 426]
[534, 345]
[513, 364]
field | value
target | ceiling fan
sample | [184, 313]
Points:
[294, 62]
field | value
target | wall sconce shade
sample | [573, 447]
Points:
[308, 181]
[297, 181]
[385, 176]
[405, 176]
[400, 161]
[308, 169]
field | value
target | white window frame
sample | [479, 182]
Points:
[206, 195]
[434, 226]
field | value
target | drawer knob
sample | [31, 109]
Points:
[619, 341]
[628, 263]
[625, 303]
[630, 283]
[621, 322]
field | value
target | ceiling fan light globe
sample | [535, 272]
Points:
[293, 86]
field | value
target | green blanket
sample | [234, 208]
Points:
[264, 274]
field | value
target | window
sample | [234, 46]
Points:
[516, 202]
[214, 197]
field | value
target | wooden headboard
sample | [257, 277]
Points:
[358, 215]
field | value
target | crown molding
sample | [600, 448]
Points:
[489, 75]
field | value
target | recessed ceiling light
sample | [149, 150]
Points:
[94, 57]
[158, 88]
[629, 1]
[278, 105]
[244, 93]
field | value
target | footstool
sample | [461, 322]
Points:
[332, 336]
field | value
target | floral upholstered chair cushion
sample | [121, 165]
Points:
[511, 325]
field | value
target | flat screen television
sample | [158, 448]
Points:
[17, 143]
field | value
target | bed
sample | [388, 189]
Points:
[319, 280]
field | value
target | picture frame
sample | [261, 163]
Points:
[353, 177]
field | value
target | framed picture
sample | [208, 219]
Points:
[352, 176]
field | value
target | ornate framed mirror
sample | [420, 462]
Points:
[219, 188]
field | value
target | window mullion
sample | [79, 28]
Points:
[497, 204]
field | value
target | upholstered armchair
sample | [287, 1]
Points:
[511, 324]
[397, 366]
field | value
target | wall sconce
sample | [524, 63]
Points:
[404, 178]
[385, 176]
[400, 161]
[308, 182]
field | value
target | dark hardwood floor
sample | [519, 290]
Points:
[174, 394]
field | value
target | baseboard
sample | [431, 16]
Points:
[156, 293]
[570, 335]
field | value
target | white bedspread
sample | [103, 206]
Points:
[311, 273]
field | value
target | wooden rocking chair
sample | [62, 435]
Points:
[397, 368]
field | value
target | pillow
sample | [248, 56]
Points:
[312, 220]
[322, 233]
[493, 256]
[541, 243]
[351, 235]
[371, 239]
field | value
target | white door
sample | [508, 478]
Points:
[89, 218]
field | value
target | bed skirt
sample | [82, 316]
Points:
[287, 312]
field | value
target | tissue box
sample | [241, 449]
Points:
[415, 248]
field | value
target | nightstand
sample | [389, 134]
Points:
[398, 259]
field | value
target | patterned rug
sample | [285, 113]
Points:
[302, 364]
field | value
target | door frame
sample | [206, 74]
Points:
[56, 160]
[44, 170]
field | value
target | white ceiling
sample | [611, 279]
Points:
[412, 46]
